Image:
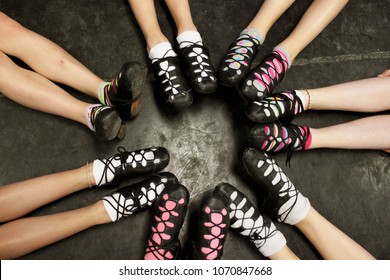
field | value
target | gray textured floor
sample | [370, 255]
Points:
[350, 188]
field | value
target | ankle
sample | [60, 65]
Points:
[99, 213]
[188, 38]
[154, 40]
[307, 222]
[254, 33]
[186, 27]
[88, 171]
[162, 49]
[304, 96]
[285, 54]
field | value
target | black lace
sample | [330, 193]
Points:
[121, 155]
[122, 211]
[279, 76]
[174, 249]
[290, 104]
[235, 44]
[302, 141]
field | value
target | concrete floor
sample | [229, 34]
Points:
[350, 188]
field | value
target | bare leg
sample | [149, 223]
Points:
[330, 242]
[145, 13]
[366, 133]
[180, 10]
[23, 236]
[269, 12]
[316, 18]
[284, 254]
[35, 91]
[20, 198]
[368, 95]
[46, 57]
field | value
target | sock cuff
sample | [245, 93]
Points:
[300, 210]
[163, 49]
[301, 96]
[97, 169]
[189, 37]
[101, 93]
[285, 54]
[309, 139]
[274, 243]
[254, 33]
[109, 203]
[88, 115]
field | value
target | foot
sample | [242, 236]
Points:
[281, 107]
[264, 78]
[238, 60]
[279, 138]
[213, 227]
[283, 202]
[199, 69]
[105, 122]
[246, 219]
[126, 164]
[168, 217]
[132, 199]
[124, 92]
[170, 81]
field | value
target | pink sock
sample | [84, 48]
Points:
[308, 141]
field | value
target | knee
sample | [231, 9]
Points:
[10, 27]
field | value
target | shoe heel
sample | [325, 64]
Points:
[122, 131]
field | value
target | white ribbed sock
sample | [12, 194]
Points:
[161, 50]
[188, 38]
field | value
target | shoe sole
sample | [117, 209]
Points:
[111, 127]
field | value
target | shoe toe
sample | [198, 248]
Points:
[258, 114]
[162, 157]
[168, 177]
[207, 85]
[180, 101]
[224, 189]
[257, 136]
[248, 91]
[177, 192]
[251, 159]
[215, 202]
[229, 79]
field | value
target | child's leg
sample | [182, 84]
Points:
[194, 55]
[269, 12]
[330, 242]
[316, 18]
[284, 203]
[264, 78]
[145, 13]
[170, 81]
[246, 219]
[239, 57]
[35, 91]
[20, 198]
[368, 95]
[180, 10]
[366, 133]
[22, 236]
[46, 57]
[26, 235]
